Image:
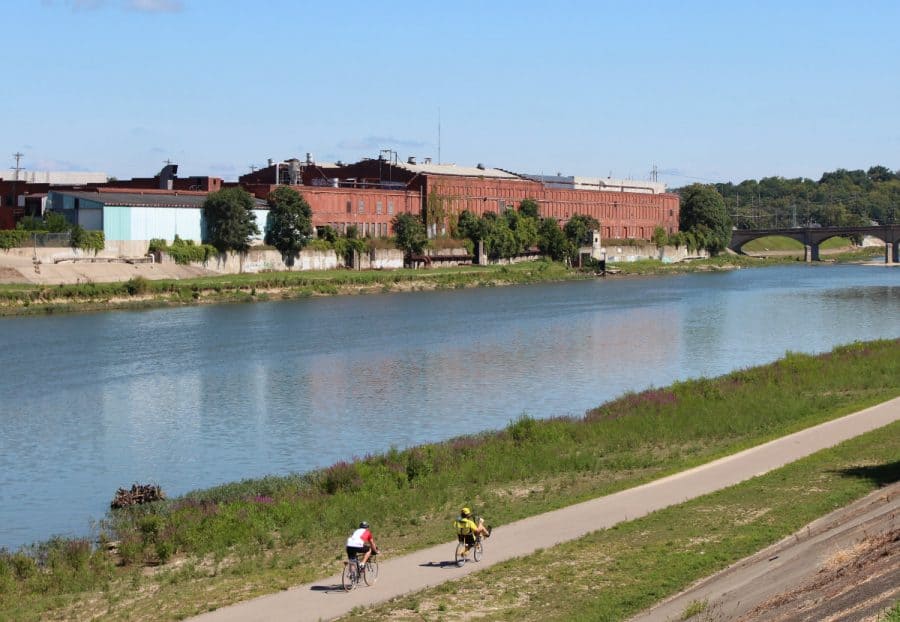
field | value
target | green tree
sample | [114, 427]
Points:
[230, 222]
[290, 221]
[410, 233]
[578, 229]
[524, 228]
[660, 237]
[499, 239]
[553, 242]
[530, 208]
[468, 226]
[880, 173]
[703, 211]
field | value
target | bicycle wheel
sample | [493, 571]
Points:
[349, 578]
[460, 557]
[477, 550]
[370, 576]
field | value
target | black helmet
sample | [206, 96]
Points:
[364, 525]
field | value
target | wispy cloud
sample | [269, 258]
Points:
[155, 6]
[77, 5]
[379, 142]
[139, 6]
[223, 168]
[49, 164]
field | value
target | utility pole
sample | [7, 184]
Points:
[18, 156]
[654, 173]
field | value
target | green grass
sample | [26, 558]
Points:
[141, 293]
[647, 267]
[782, 243]
[773, 243]
[892, 614]
[258, 536]
[615, 573]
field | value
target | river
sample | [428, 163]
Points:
[196, 396]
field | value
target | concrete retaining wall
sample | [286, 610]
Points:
[382, 259]
[53, 254]
[267, 260]
[666, 254]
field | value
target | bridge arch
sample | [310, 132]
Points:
[812, 237]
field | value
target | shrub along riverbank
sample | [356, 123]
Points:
[218, 546]
[139, 292]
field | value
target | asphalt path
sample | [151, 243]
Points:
[324, 600]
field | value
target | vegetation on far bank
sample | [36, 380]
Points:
[139, 292]
[218, 546]
[839, 198]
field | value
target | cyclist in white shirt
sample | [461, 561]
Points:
[361, 541]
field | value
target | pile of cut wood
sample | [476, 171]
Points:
[139, 493]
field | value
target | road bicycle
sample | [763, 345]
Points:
[462, 549]
[354, 572]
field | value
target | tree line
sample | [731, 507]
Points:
[230, 226]
[839, 198]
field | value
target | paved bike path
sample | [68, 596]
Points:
[325, 599]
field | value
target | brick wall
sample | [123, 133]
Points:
[369, 210]
[621, 214]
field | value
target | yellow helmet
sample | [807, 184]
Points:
[465, 511]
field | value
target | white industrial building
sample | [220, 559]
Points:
[54, 178]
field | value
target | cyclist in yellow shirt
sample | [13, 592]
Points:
[467, 529]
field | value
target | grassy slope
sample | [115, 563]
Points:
[615, 573]
[253, 537]
[781, 243]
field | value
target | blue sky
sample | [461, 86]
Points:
[710, 91]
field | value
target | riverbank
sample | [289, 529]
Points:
[222, 545]
[143, 293]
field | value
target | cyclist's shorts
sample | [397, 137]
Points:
[353, 551]
[468, 538]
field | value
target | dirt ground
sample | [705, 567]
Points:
[843, 567]
[24, 270]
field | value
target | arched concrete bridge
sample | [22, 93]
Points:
[812, 237]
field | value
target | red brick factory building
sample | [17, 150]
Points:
[369, 193]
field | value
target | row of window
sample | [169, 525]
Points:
[361, 207]
[363, 229]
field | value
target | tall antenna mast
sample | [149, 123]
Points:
[18, 156]
[439, 134]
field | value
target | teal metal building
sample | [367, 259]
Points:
[141, 216]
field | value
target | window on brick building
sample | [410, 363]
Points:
[390, 207]
[362, 206]
[377, 207]
[349, 207]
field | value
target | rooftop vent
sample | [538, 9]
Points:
[167, 176]
[480, 166]
[411, 160]
[427, 160]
